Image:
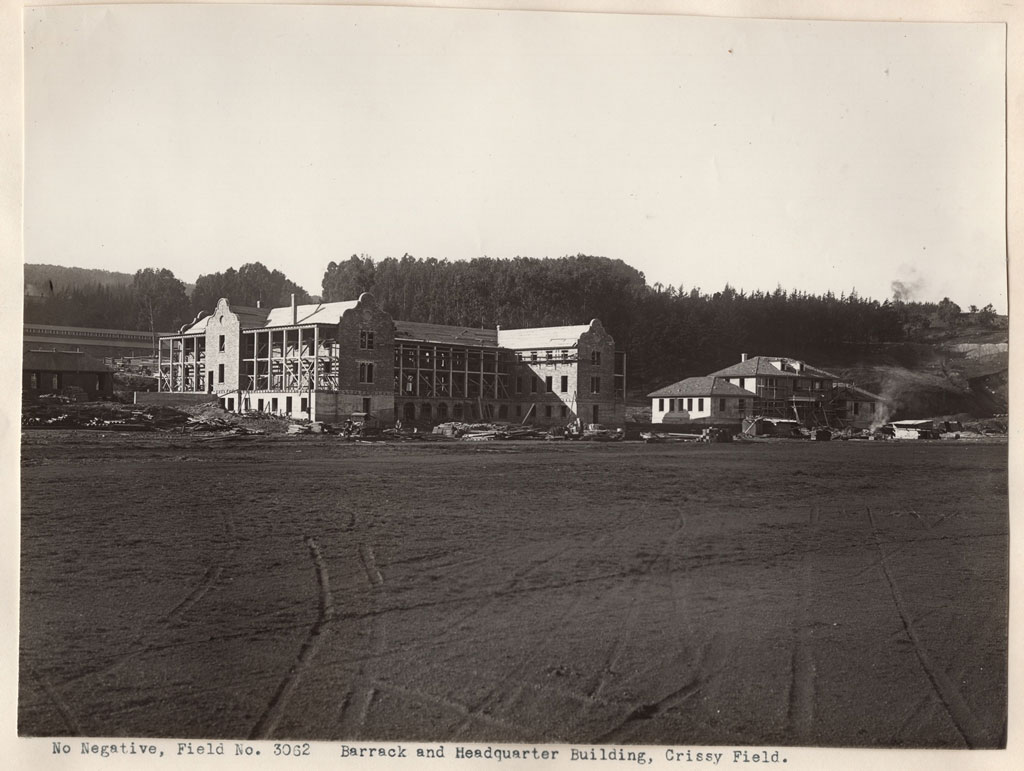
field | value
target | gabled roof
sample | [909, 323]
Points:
[542, 337]
[62, 361]
[762, 365]
[912, 424]
[316, 313]
[445, 334]
[248, 318]
[701, 386]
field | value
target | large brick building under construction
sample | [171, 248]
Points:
[332, 361]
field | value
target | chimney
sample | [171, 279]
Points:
[295, 311]
[743, 357]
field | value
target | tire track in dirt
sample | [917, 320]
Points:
[802, 667]
[146, 640]
[455, 706]
[499, 698]
[970, 730]
[362, 691]
[510, 587]
[649, 710]
[626, 629]
[65, 712]
[268, 720]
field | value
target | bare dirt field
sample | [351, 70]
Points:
[833, 594]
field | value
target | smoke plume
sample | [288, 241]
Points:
[904, 290]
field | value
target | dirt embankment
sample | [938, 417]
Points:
[930, 379]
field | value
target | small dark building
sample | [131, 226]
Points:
[49, 372]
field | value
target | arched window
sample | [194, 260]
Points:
[425, 412]
[442, 412]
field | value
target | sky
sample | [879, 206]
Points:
[812, 155]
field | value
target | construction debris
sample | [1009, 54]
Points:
[481, 432]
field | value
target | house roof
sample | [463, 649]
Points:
[542, 337]
[912, 424]
[62, 361]
[445, 334]
[701, 386]
[763, 365]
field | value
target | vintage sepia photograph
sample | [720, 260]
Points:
[513, 379]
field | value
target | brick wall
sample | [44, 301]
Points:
[353, 345]
[610, 411]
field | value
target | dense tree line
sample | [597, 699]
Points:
[251, 284]
[668, 332]
[152, 300]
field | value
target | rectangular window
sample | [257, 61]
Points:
[55, 382]
[671, 405]
[366, 339]
[548, 388]
[231, 404]
[565, 355]
[549, 355]
[220, 373]
[533, 384]
[700, 405]
[533, 356]
[259, 405]
[304, 405]
[689, 405]
[564, 384]
[273, 404]
[856, 408]
[742, 404]
[220, 343]
[519, 410]
[288, 404]
[595, 357]
[595, 385]
[743, 381]
[547, 411]
[661, 405]
[564, 411]
[519, 384]
[721, 405]
[365, 372]
[366, 404]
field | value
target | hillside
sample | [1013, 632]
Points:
[964, 371]
[38, 278]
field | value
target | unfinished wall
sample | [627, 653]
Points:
[596, 378]
[366, 338]
[223, 323]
